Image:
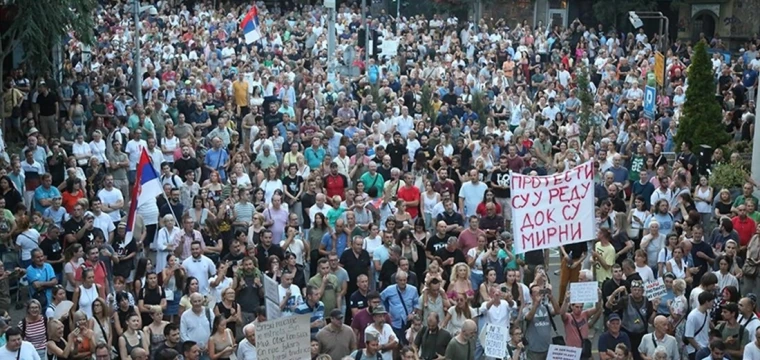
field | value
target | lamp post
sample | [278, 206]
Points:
[635, 18]
[138, 62]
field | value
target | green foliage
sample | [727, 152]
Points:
[613, 12]
[377, 98]
[727, 176]
[480, 106]
[587, 102]
[427, 102]
[741, 147]
[40, 25]
[700, 121]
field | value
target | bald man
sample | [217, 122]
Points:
[462, 346]
[659, 337]
[138, 354]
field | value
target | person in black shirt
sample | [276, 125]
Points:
[51, 247]
[629, 269]
[687, 158]
[265, 249]
[572, 258]
[186, 163]
[173, 207]
[358, 299]
[308, 199]
[293, 186]
[172, 339]
[450, 255]
[610, 285]
[390, 266]
[396, 151]
[125, 252]
[235, 254]
[72, 228]
[437, 241]
[356, 261]
[57, 162]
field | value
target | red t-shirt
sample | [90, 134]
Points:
[100, 272]
[410, 193]
[336, 185]
[745, 228]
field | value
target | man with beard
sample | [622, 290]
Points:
[363, 317]
[78, 229]
[432, 339]
[453, 219]
[111, 199]
[186, 162]
[396, 150]
[173, 207]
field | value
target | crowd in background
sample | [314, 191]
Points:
[379, 203]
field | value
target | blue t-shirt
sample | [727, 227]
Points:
[41, 194]
[216, 160]
[43, 274]
[608, 342]
[341, 243]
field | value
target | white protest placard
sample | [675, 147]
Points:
[550, 211]
[494, 341]
[584, 292]
[559, 352]
[655, 289]
[285, 338]
[389, 48]
[271, 291]
[273, 310]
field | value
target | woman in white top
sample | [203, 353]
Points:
[666, 253]
[677, 265]
[429, 199]
[652, 243]
[303, 169]
[270, 184]
[703, 198]
[169, 143]
[637, 217]
[243, 180]
[27, 240]
[456, 315]
[373, 240]
[725, 278]
[81, 150]
[98, 148]
[641, 266]
[165, 244]
[85, 294]
[75, 254]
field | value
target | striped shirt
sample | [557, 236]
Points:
[35, 333]
[317, 313]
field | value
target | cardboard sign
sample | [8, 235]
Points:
[271, 291]
[558, 352]
[286, 338]
[273, 310]
[655, 289]
[584, 292]
[495, 339]
[550, 211]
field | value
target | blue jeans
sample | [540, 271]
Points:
[476, 279]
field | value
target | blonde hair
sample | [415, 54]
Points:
[679, 286]
[454, 271]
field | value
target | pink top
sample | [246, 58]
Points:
[571, 332]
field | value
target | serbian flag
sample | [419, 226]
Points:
[147, 188]
[250, 26]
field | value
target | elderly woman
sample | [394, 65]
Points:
[165, 243]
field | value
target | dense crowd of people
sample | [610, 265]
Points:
[379, 204]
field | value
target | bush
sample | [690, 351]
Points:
[726, 176]
[701, 119]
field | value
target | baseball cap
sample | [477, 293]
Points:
[336, 313]
[613, 317]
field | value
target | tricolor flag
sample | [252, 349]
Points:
[147, 188]
[250, 26]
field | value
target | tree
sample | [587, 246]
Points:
[701, 118]
[585, 120]
[38, 26]
[610, 11]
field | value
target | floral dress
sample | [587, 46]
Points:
[679, 307]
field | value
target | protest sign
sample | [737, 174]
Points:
[655, 289]
[273, 310]
[550, 211]
[559, 352]
[584, 292]
[286, 338]
[271, 291]
[494, 341]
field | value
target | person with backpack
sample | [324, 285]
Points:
[734, 335]
[195, 325]
[370, 352]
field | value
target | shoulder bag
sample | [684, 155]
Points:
[557, 339]
[586, 343]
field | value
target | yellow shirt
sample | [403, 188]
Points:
[240, 91]
[608, 254]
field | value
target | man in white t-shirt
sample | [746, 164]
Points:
[134, 149]
[747, 316]
[697, 324]
[471, 194]
[111, 199]
[16, 348]
[752, 350]
[290, 295]
[102, 221]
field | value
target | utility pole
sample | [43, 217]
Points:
[138, 63]
[330, 5]
[756, 144]
[365, 23]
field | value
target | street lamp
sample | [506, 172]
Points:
[635, 18]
